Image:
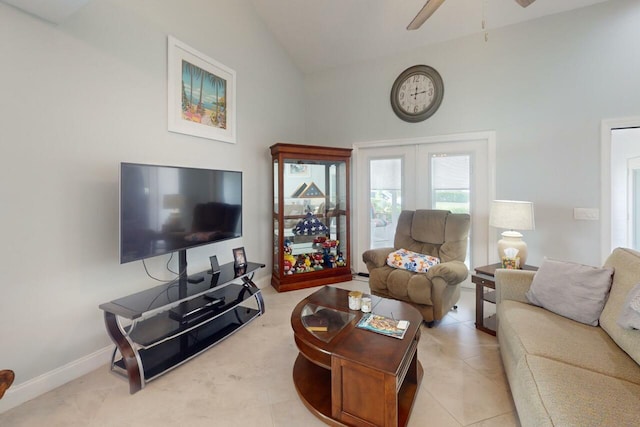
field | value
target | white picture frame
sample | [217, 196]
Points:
[205, 108]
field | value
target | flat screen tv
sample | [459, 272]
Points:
[167, 209]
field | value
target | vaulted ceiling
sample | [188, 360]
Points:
[320, 34]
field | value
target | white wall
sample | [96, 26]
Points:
[543, 86]
[76, 100]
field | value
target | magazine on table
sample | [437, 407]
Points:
[384, 325]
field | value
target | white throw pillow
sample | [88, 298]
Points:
[630, 314]
[572, 290]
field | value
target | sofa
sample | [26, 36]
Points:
[563, 372]
[437, 233]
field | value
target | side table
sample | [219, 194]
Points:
[484, 277]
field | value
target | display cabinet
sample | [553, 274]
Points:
[311, 216]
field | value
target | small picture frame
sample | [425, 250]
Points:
[239, 257]
[299, 170]
[215, 267]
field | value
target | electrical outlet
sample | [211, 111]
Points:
[588, 214]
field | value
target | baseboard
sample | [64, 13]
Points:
[21, 393]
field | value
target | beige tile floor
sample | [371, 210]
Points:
[246, 381]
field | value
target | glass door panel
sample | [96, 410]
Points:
[456, 177]
[385, 177]
[450, 186]
[633, 189]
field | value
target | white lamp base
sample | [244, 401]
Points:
[513, 239]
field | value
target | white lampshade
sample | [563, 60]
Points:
[512, 215]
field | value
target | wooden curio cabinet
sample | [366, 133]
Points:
[311, 216]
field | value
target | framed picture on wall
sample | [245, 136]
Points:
[201, 94]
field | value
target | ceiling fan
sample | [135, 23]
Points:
[432, 5]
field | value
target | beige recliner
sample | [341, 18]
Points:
[437, 233]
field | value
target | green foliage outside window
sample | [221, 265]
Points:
[456, 201]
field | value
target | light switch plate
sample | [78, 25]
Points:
[589, 214]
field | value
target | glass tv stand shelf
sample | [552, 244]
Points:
[158, 329]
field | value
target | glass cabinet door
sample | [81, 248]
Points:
[276, 217]
[312, 216]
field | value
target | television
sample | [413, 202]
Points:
[166, 209]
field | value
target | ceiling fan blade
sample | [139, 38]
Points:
[427, 10]
[524, 3]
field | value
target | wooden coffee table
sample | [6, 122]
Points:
[349, 376]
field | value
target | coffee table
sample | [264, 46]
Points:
[349, 376]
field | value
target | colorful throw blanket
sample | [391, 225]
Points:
[412, 261]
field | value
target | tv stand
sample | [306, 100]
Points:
[172, 323]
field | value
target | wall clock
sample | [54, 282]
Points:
[417, 93]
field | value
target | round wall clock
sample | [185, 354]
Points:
[417, 93]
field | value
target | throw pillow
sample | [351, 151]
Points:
[412, 261]
[571, 290]
[630, 315]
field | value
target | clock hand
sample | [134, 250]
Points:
[415, 95]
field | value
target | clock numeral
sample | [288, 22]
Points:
[401, 95]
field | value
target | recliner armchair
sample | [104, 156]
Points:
[437, 233]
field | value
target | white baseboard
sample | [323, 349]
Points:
[20, 393]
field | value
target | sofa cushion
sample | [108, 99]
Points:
[411, 261]
[574, 396]
[405, 285]
[626, 263]
[572, 290]
[630, 315]
[527, 329]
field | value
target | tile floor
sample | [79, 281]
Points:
[246, 381]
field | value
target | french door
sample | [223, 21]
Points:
[453, 172]
[620, 178]
[633, 203]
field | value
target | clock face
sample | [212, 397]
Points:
[417, 93]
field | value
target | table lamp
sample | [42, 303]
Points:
[512, 215]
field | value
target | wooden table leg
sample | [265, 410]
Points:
[479, 306]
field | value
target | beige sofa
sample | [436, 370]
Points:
[565, 373]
